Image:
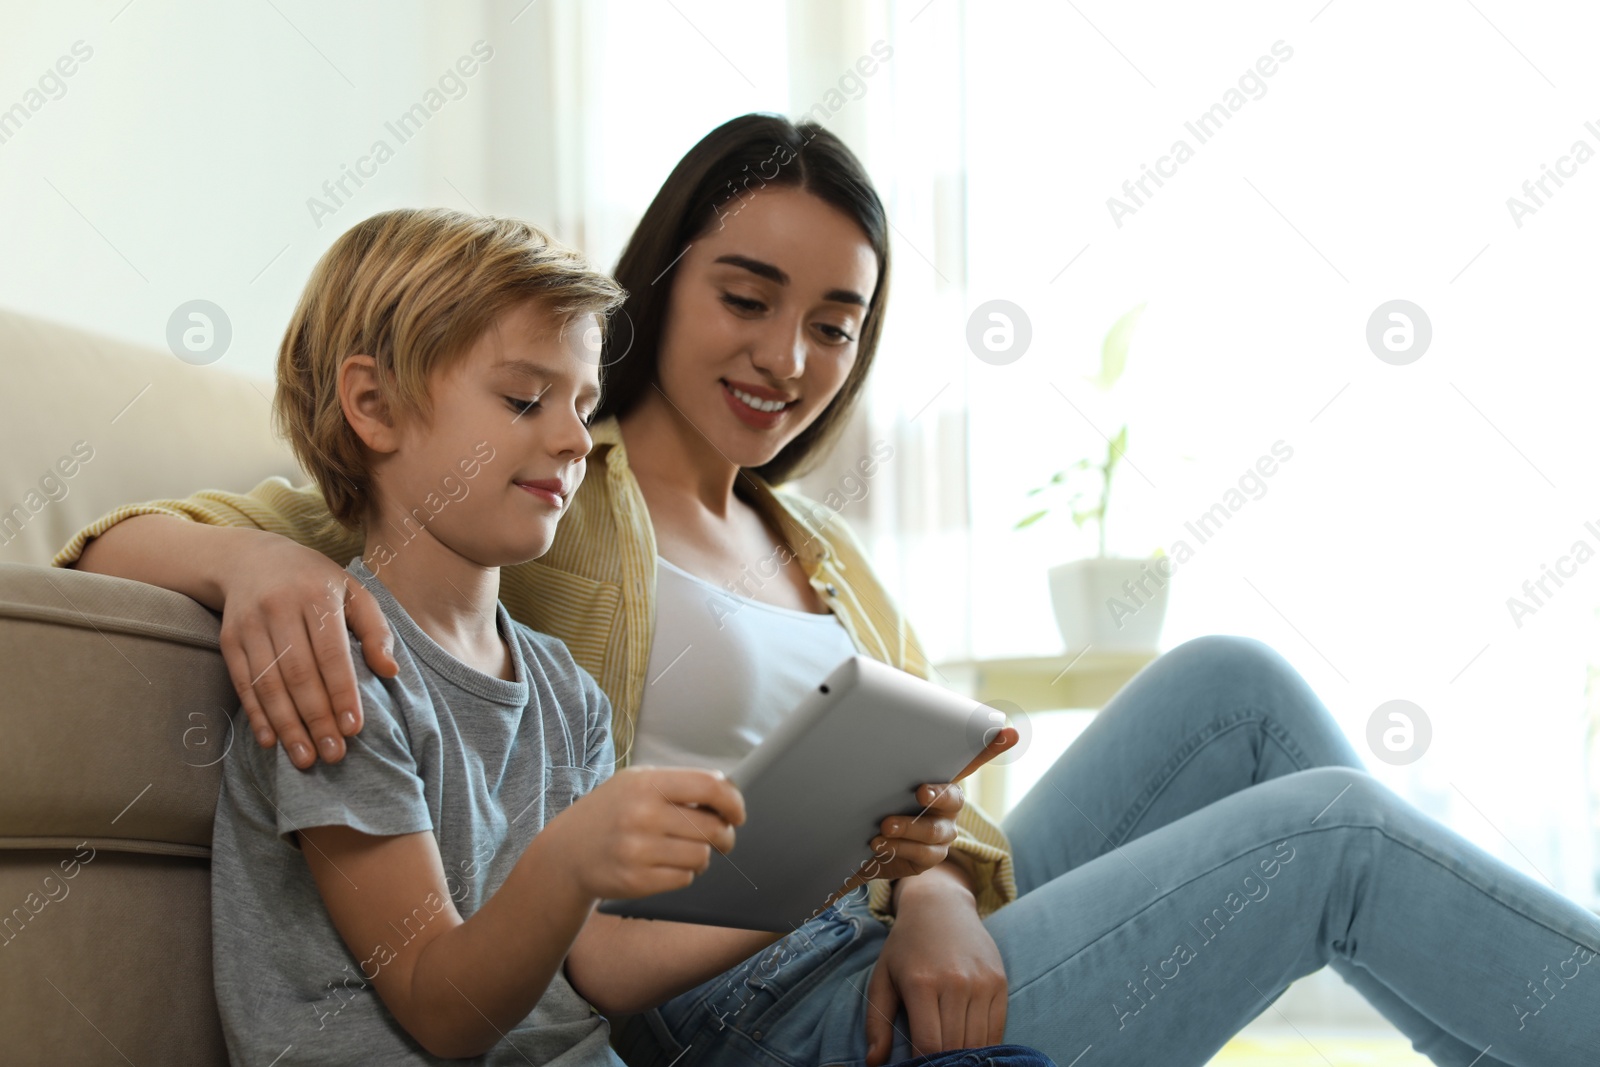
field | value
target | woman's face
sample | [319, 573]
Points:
[763, 321]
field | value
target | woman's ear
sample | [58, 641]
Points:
[363, 405]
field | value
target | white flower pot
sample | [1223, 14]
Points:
[1111, 605]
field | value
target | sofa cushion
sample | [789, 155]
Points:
[90, 423]
[115, 710]
[111, 966]
[115, 713]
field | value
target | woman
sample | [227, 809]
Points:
[1209, 839]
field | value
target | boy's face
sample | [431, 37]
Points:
[505, 450]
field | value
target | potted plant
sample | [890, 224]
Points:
[1106, 602]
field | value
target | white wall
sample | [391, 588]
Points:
[179, 160]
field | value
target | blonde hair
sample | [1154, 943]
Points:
[413, 289]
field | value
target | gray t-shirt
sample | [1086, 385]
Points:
[482, 762]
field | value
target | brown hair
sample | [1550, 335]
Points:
[413, 289]
[730, 160]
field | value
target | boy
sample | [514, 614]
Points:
[417, 899]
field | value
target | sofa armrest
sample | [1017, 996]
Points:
[115, 711]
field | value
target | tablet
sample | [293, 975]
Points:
[816, 789]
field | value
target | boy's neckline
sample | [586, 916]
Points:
[407, 632]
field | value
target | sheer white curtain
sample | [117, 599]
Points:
[907, 123]
[1379, 559]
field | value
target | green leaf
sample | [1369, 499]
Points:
[1031, 519]
[1115, 450]
[1114, 349]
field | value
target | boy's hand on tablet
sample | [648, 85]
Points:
[647, 830]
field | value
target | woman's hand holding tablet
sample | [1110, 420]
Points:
[869, 740]
[907, 845]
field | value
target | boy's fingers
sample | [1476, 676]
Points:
[1003, 739]
[684, 855]
[732, 806]
[709, 789]
[700, 825]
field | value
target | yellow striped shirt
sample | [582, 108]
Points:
[595, 590]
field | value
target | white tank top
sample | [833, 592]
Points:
[724, 670]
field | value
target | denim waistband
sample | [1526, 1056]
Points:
[745, 996]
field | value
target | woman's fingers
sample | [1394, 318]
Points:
[238, 663]
[286, 643]
[919, 841]
[920, 992]
[292, 636]
[882, 1004]
[953, 1014]
[907, 861]
[273, 695]
[1004, 738]
[365, 619]
[997, 1016]
[314, 675]
[977, 1020]
[901, 830]
[332, 646]
[942, 798]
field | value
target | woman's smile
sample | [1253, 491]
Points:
[756, 406]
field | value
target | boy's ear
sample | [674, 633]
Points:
[363, 405]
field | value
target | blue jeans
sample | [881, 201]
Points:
[1209, 839]
[988, 1056]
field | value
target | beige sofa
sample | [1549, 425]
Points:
[115, 706]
